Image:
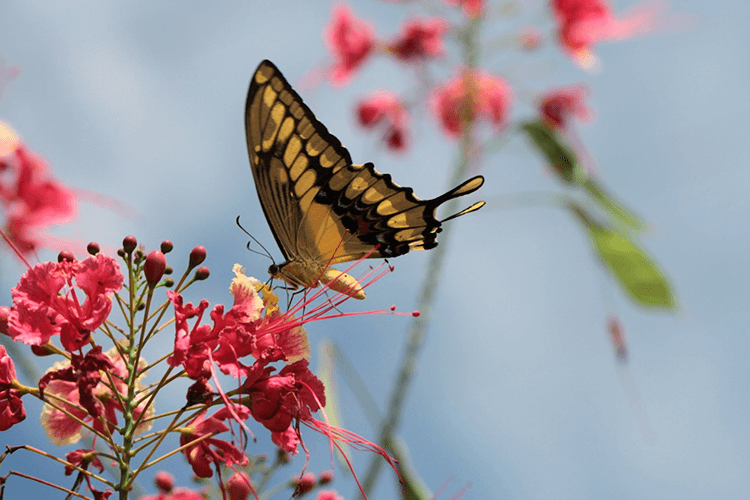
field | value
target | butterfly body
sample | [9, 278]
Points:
[323, 209]
[310, 274]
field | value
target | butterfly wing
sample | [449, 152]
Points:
[321, 208]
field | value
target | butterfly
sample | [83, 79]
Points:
[323, 209]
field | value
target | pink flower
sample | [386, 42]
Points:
[77, 387]
[11, 407]
[350, 41]
[420, 39]
[467, 97]
[211, 450]
[276, 400]
[471, 8]
[42, 309]
[584, 23]
[559, 105]
[287, 440]
[33, 199]
[385, 107]
[82, 458]
[328, 495]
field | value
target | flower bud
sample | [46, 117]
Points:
[238, 486]
[169, 282]
[4, 313]
[164, 481]
[200, 392]
[166, 246]
[305, 483]
[42, 350]
[154, 267]
[168, 270]
[197, 256]
[92, 248]
[129, 243]
[202, 273]
[65, 255]
[325, 477]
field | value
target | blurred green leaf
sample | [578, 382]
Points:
[630, 264]
[559, 155]
[414, 488]
[612, 206]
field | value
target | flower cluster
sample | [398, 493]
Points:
[31, 198]
[473, 94]
[102, 393]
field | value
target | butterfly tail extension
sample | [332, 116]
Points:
[465, 188]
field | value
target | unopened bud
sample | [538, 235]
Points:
[65, 255]
[200, 392]
[129, 243]
[154, 267]
[4, 313]
[305, 483]
[168, 270]
[325, 477]
[166, 246]
[202, 273]
[239, 487]
[164, 481]
[197, 256]
[169, 282]
[92, 248]
[42, 350]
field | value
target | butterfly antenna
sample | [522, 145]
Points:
[266, 254]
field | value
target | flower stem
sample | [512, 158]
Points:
[469, 40]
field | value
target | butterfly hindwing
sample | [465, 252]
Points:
[322, 208]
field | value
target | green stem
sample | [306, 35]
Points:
[415, 340]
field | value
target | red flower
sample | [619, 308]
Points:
[287, 440]
[420, 39]
[211, 450]
[32, 198]
[558, 106]
[385, 107]
[294, 393]
[350, 41]
[469, 96]
[584, 23]
[471, 8]
[76, 387]
[41, 309]
[11, 407]
[82, 458]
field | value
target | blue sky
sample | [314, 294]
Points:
[518, 391]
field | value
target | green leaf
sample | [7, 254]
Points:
[612, 206]
[414, 487]
[558, 154]
[630, 264]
